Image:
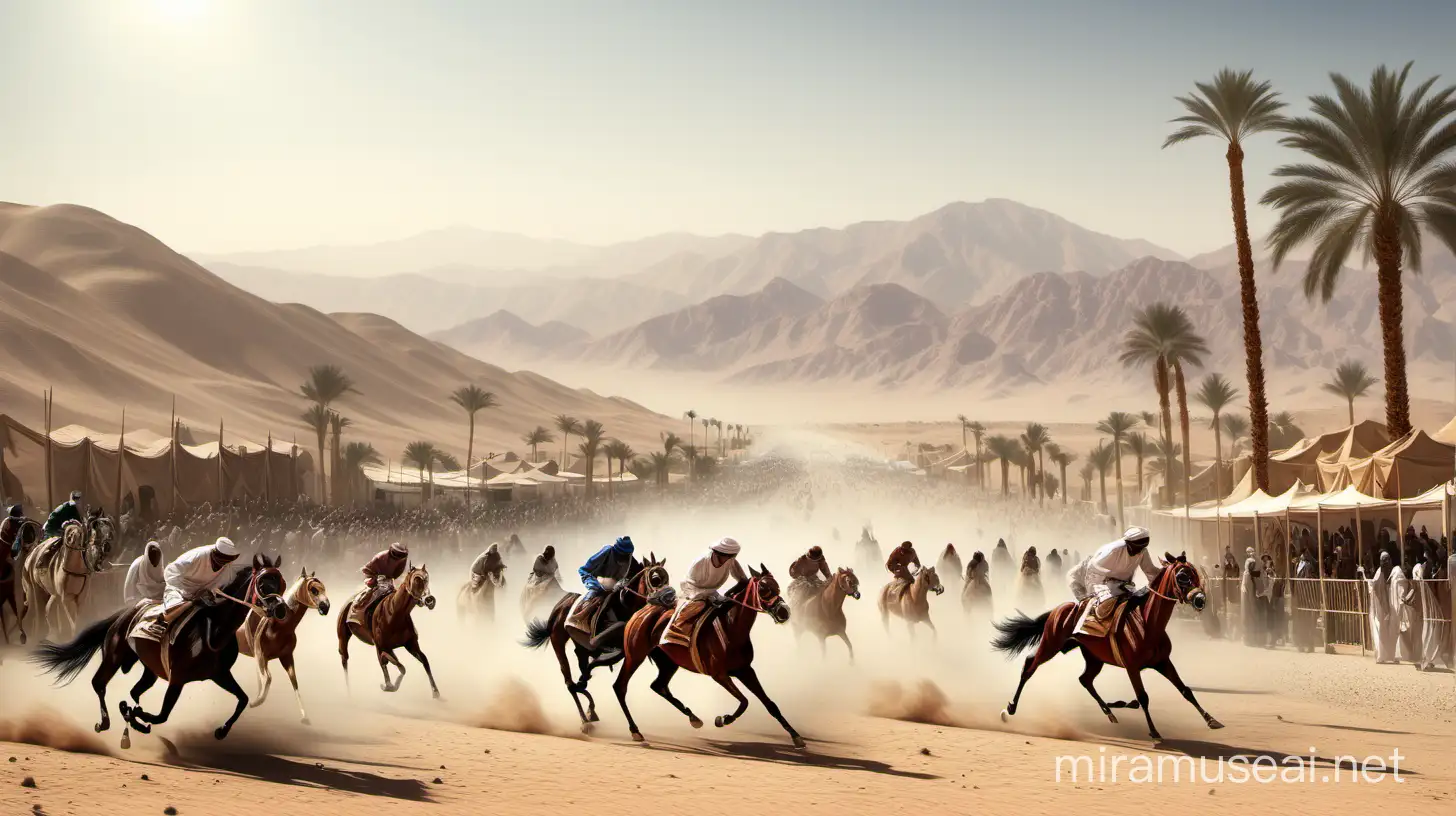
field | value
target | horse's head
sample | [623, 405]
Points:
[847, 582]
[309, 591]
[1182, 582]
[931, 580]
[266, 587]
[763, 594]
[417, 585]
[653, 575]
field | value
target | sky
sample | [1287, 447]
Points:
[229, 125]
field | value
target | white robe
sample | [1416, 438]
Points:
[1384, 626]
[1105, 571]
[1407, 615]
[704, 579]
[1433, 634]
[143, 581]
[190, 576]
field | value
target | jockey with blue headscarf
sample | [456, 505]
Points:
[610, 565]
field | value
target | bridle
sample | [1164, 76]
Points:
[253, 599]
[1173, 571]
[88, 544]
[409, 586]
[753, 600]
[644, 576]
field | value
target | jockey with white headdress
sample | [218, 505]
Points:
[194, 577]
[712, 570]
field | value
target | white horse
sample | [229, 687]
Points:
[57, 571]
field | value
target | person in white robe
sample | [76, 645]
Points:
[1108, 572]
[195, 574]
[1384, 627]
[1249, 606]
[1433, 633]
[144, 580]
[1403, 600]
[712, 570]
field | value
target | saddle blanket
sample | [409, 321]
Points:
[586, 613]
[686, 625]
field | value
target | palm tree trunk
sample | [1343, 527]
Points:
[1217, 457]
[469, 454]
[323, 484]
[565, 437]
[1183, 425]
[1102, 484]
[1249, 300]
[1167, 414]
[1041, 468]
[1005, 477]
[1351, 402]
[1064, 485]
[980, 466]
[1140, 475]
[1117, 464]
[1397, 393]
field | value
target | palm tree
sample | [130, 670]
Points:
[965, 426]
[1234, 107]
[1086, 473]
[1137, 445]
[356, 455]
[609, 452]
[592, 434]
[1216, 393]
[1381, 178]
[661, 463]
[1005, 449]
[326, 384]
[337, 424]
[692, 417]
[707, 423]
[422, 455]
[1101, 459]
[1283, 433]
[1062, 459]
[472, 399]
[1117, 425]
[1164, 461]
[1035, 438]
[978, 431]
[447, 463]
[718, 425]
[567, 425]
[1236, 426]
[624, 453]
[536, 439]
[1351, 380]
[1162, 335]
[317, 419]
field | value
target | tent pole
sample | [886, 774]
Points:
[1319, 522]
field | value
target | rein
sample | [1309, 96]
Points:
[754, 603]
[640, 574]
[1154, 590]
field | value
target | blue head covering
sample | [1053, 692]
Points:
[623, 545]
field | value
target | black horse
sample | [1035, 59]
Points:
[205, 649]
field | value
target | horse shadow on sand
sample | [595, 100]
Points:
[784, 754]
[308, 770]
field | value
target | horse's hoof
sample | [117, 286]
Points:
[1112, 718]
[1154, 735]
[586, 727]
[22, 638]
[592, 717]
[306, 721]
[125, 741]
[696, 723]
[637, 737]
[1214, 724]
[386, 687]
[1005, 715]
[102, 726]
[435, 694]
[799, 742]
[220, 733]
[721, 721]
[255, 704]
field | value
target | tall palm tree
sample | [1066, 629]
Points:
[1163, 336]
[965, 426]
[609, 452]
[1236, 426]
[1035, 438]
[1086, 473]
[356, 456]
[718, 426]
[1283, 433]
[691, 416]
[567, 425]
[1137, 445]
[472, 399]
[661, 462]
[978, 432]
[536, 439]
[592, 434]
[1062, 459]
[1101, 459]
[1234, 107]
[1381, 177]
[447, 462]
[1164, 461]
[317, 419]
[326, 384]
[1216, 393]
[1118, 425]
[337, 424]
[707, 423]
[1350, 382]
[422, 455]
[624, 454]
[1005, 449]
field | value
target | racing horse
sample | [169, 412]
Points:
[390, 627]
[27, 534]
[266, 639]
[644, 587]
[56, 572]
[1140, 642]
[911, 603]
[724, 660]
[821, 611]
[203, 648]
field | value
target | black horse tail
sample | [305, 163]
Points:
[1019, 633]
[537, 633]
[68, 659]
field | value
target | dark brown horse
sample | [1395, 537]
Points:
[204, 649]
[28, 533]
[724, 663]
[821, 612]
[1141, 642]
[631, 595]
[391, 627]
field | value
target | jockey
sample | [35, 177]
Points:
[69, 510]
[544, 569]
[10, 531]
[144, 580]
[380, 573]
[900, 560]
[1108, 573]
[805, 571]
[712, 570]
[978, 569]
[950, 562]
[610, 565]
[486, 565]
[192, 578]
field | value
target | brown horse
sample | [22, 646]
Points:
[203, 649]
[1139, 644]
[391, 627]
[27, 533]
[266, 638]
[57, 572]
[723, 662]
[822, 612]
[631, 595]
[913, 604]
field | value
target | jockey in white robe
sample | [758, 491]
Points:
[705, 577]
[1384, 625]
[194, 573]
[1107, 572]
[144, 577]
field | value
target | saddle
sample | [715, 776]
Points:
[801, 589]
[687, 624]
[586, 615]
[1114, 619]
[148, 620]
[45, 552]
[365, 617]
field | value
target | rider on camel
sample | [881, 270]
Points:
[144, 580]
[899, 565]
[379, 576]
[192, 578]
[1107, 574]
[69, 510]
[805, 571]
[487, 565]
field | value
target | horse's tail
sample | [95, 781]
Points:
[68, 659]
[1019, 633]
[537, 633]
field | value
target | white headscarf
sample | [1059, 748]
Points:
[726, 546]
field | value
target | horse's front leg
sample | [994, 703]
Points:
[749, 678]
[850, 646]
[1094, 667]
[265, 677]
[727, 682]
[228, 683]
[1165, 668]
[1135, 676]
[413, 647]
[286, 661]
[385, 659]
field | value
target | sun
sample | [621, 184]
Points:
[181, 9]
